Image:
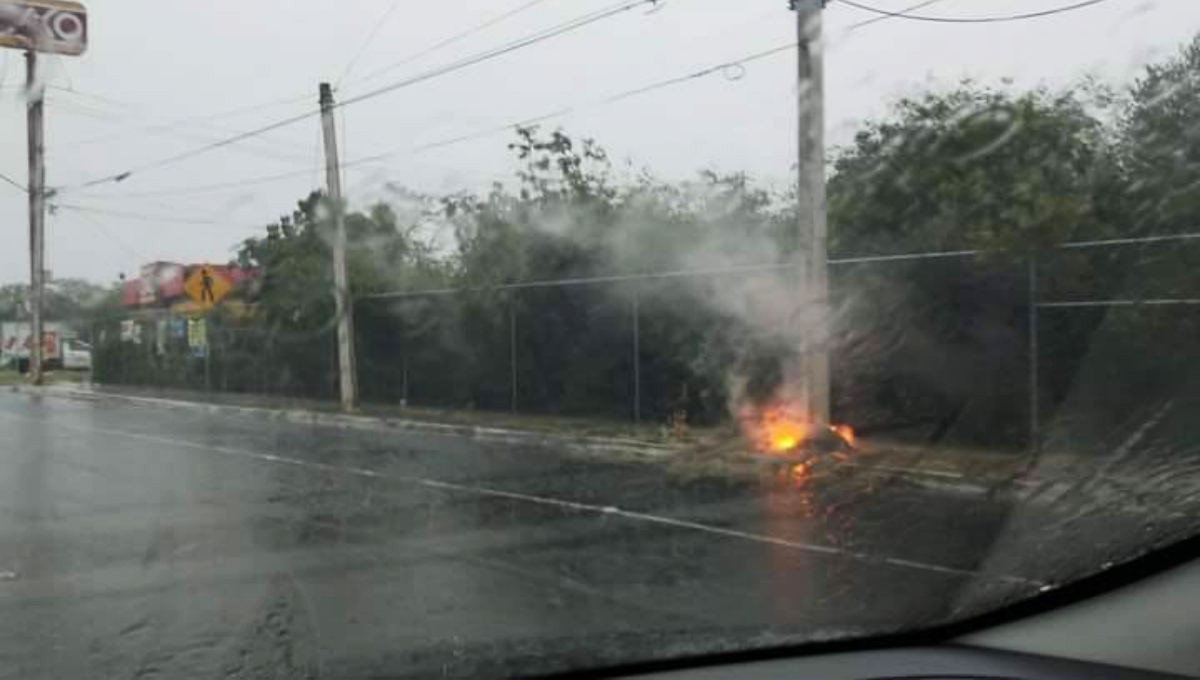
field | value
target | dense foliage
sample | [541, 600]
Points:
[942, 341]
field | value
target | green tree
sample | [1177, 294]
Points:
[65, 299]
[1161, 144]
[972, 167]
[969, 168]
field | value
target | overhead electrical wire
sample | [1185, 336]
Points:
[452, 39]
[276, 103]
[146, 217]
[370, 38]
[9, 180]
[469, 136]
[112, 237]
[191, 153]
[885, 17]
[100, 115]
[903, 14]
[171, 124]
[727, 67]
[541, 36]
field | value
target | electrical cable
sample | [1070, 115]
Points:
[541, 36]
[906, 10]
[113, 237]
[367, 43]
[172, 124]
[145, 217]
[100, 115]
[9, 180]
[487, 132]
[451, 40]
[478, 134]
[192, 153]
[972, 20]
[209, 188]
[429, 75]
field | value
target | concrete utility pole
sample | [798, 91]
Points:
[811, 208]
[37, 213]
[347, 378]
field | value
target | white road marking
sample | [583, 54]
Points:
[907, 470]
[546, 501]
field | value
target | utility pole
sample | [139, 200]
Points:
[811, 208]
[347, 378]
[37, 212]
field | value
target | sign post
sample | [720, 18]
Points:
[199, 347]
[206, 286]
[55, 27]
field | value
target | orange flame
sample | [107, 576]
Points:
[845, 432]
[776, 429]
[781, 428]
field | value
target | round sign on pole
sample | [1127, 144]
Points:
[54, 26]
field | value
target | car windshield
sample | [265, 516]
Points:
[510, 337]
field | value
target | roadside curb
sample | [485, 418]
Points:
[585, 445]
[591, 446]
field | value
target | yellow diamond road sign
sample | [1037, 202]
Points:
[206, 287]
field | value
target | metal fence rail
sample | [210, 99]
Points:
[408, 365]
[1035, 303]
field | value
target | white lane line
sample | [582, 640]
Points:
[906, 470]
[548, 501]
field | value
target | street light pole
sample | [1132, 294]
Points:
[812, 220]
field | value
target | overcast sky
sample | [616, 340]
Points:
[160, 78]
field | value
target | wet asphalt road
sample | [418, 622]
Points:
[149, 543]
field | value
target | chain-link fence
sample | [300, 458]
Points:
[968, 345]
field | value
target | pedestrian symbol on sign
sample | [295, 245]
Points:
[206, 286]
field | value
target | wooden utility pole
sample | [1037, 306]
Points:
[37, 214]
[811, 209]
[347, 379]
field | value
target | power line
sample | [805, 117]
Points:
[541, 36]
[429, 75]
[148, 218]
[367, 43]
[218, 186]
[906, 10]
[971, 20]
[9, 180]
[113, 237]
[100, 115]
[172, 124]
[192, 153]
[477, 134]
[729, 68]
[452, 39]
[88, 95]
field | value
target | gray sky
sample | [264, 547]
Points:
[152, 63]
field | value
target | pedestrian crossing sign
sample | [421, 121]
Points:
[206, 286]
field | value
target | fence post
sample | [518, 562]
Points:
[1034, 396]
[637, 356]
[512, 348]
[208, 350]
[404, 382]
